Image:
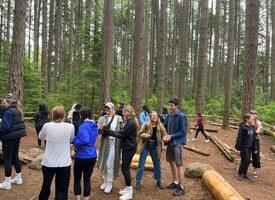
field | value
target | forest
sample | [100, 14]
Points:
[216, 56]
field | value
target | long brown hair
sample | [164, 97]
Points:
[132, 112]
[150, 122]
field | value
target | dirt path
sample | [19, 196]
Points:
[261, 188]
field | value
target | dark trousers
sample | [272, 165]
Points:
[62, 180]
[85, 167]
[10, 154]
[256, 160]
[200, 129]
[37, 132]
[127, 156]
[245, 161]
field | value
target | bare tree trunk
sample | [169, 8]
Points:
[50, 44]
[58, 30]
[267, 51]
[71, 43]
[215, 66]
[138, 54]
[229, 65]
[146, 90]
[29, 30]
[44, 48]
[251, 47]
[87, 42]
[37, 6]
[161, 55]
[107, 57]
[272, 89]
[17, 49]
[202, 60]
[152, 44]
[8, 21]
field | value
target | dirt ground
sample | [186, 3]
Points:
[260, 188]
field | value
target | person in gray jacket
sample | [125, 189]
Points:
[109, 151]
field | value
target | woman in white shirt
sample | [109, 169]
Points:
[57, 158]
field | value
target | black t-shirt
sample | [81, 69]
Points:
[154, 134]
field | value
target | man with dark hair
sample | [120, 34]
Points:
[175, 124]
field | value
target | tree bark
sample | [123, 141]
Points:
[272, 89]
[267, 51]
[44, 48]
[17, 49]
[37, 9]
[50, 43]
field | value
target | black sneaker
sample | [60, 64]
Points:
[160, 185]
[247, 178]
[172, 185]
[138, 186]
[179, 192]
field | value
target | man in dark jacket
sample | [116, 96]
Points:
[12, 128]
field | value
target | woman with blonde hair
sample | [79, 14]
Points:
[150, 135]
[128, 146]
[57, 158]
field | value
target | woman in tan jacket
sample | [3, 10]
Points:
[150, 136]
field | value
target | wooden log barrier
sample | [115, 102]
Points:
[207, 129]
[219, 187]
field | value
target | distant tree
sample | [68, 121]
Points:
[272, 91]
[44, 48]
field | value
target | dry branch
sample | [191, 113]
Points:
[196, 150]
[207, 129]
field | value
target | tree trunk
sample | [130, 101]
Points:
[29, 30]
[152, 45]
[251, 47]
[272, 89]
[267, 51]
[58, 30]
[44, 48]
[107, 57]
[8, 21]
[87, 42]
[50, 43]
[37, 9]
[229, 65]
[138, 54]
[161, 54]
[215, 66]
[17, 49]
[71, 47]
[202, 62]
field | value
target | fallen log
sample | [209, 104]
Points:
[196, 150]
[219, 187]
[220, 125]
[148, 163]
[206, 129]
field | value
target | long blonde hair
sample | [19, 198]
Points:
[150, 122]
[132, 112]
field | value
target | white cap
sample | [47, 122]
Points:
[109, 105]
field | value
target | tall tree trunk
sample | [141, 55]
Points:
[71, 47]
[211, 16]
[272, 89]
[161, 54]
[152, 44]
[229, 65]
[238, 38]
[37, 5]
[87, 42]
[145, 52]
[29, 30]
[107, 57]
[50, 44]
[202, 62]
[17, 49]
[251, 46]
[44, 48]
[58, 30]
[138, 53]
[215, 67]
[267, 51]
[8, 21]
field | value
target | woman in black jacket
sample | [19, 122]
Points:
[40, 118]
[128, 138]
[244, 144]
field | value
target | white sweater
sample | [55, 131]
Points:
[58, 137]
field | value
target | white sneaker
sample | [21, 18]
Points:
[128, 193]
[255, 174]
[5, 185]
[206, 141]
[103, 186]
[194, 139]
[121, 192]
[108, 187]
[17, 181]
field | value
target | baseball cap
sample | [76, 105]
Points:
[109, 105]
[11, 98]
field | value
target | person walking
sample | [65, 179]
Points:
[57, 158]
[150, 134]
[176, 125]
[109, 151]
[256, 159]
[40, 118]
[85, 153]
[200, 128]
[128, 145]
[244, 144]
[12, 128]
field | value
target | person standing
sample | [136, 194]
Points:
[12, 128]
[244, 144]
[200, 128]
[151, 134]
[256, 159]
[40, 118]
[109, 151]
[76, 121]
[57, 158]
[85, 153]
[144, 116]
[176, 125]
[128, 145]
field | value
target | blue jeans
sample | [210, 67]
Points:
[152, 148]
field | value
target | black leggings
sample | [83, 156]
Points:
[10, 154]
[202, 131]
[85, 167]
[127, 156]
[62, 180]
[245, 161]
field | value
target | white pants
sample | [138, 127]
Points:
[109, 173]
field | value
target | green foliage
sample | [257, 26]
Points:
[267, 112]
